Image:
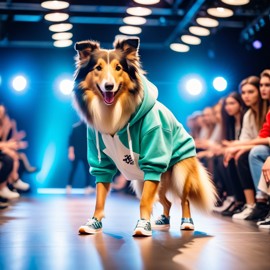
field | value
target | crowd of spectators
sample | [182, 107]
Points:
[233, 141]
[13, 161]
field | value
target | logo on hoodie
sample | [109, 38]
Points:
[128, 159]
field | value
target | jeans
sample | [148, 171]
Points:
[257, 157]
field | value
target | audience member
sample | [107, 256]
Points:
[77, 152]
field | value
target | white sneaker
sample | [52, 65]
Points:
[226, 204]
[6, 193]
[267, 218]
[245, 212]
[20, 185]
[143, 228]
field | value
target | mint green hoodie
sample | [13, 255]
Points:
[146, 147]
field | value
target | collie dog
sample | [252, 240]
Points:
[130, 131]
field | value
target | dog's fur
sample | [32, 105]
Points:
[101, 71]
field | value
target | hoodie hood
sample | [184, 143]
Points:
[149, 100]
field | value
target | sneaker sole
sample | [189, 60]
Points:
[85, 230]
[187, 227]
[262, 221]
[141, 232]
[160, 227]
[239, 218]
[264, 227]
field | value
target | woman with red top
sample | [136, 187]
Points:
[259, 152]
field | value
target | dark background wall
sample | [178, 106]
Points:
[47, 117]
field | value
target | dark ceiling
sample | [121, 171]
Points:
[22, 23]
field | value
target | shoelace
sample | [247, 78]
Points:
[144, 224]
[162, 220]
[94, 223]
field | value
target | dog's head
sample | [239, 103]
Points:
[107, 80]
[108, 72]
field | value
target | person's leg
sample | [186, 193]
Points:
[247, 184]
[221, 175]
[257, 157]
[245, 177]
[6, 169]
[237, 190]
[74, 165]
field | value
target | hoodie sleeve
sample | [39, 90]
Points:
[105, 169]
[156, 152]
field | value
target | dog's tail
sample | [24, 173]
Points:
[191, 179]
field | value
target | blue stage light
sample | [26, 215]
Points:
[220, 84]
[19, 83]
[66, 86]
[257, 44]
[194, 86]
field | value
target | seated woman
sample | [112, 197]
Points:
[259, 151]
[9, 134]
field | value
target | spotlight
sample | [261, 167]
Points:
[130, 30]
[66, 86]
[139, 11]
[220, 84]
[19, 83]
[257, 44]
[147, 2]
[134, 20]
[55, 5]
[178, 47]
[194, 86]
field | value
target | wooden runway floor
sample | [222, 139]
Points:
[39, 232]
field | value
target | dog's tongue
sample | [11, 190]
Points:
[109, 97]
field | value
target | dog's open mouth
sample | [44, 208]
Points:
[109, 96]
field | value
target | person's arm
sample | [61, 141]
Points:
[266, 170]
[256, 141]
[71, 153]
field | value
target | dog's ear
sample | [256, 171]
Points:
[129, 46]
[84, 49]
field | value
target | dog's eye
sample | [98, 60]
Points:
[99, 68]
[118, 68]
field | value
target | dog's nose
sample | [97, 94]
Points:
[109, 86]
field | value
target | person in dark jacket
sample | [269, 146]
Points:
[77, 152]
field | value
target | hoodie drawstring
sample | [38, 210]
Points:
[130, 143]
[98, 147]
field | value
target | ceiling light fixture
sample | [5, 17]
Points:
[62, 43]
[257, 44]
[130, 30]
[207, 22]
[55, 5]
[139, 11]
[199, 31]
[178, 47]
[56, 17]
[134, 20]
[60, 27]
[220, 12]
[62, 35]
[147, 2]
[236, 2]
[192, 40]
